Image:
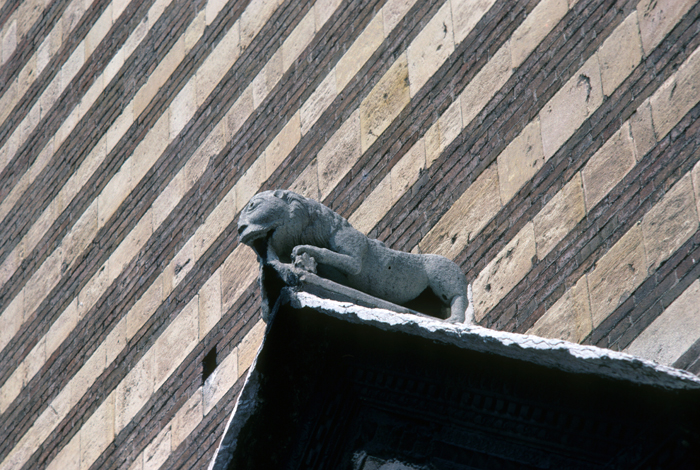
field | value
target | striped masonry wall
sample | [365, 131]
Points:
[549, 147]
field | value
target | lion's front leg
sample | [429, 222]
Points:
[344, 263]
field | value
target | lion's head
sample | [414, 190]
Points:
[267, 212]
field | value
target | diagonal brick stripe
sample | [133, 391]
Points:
[492, 31]
[564, 165]
[578, 253]
[86, 134]
[178, 227]
[149, 185]
[30, 42]
[480, 142]
[7, 9]
[74, 149]
[204, 178]
[662, 167]
[690, 360]
[233, 327]
[29, 100]
[159, 409]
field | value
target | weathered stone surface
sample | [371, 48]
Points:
[642, 130]
[129, 247]
[182, 108]
[504, 271]
[676, 96]
[520, 160]
[569, 318]
[466, 14]
[81, 235]
[11, 319]
[144, 308]
[179, 266]
[34, 360]
[195, 30]
[220, 381]
[559, 216]
[407, 170]
[324, 10]
[318, 102]
[389, 96]
[72, 66]
[176, 342]
[237, 272]
[209, 304]
[87, 374]
[268, 77]
[673, 332]
[198, 162]
[98, 31]
[486, 83]
[572, 104]
[338, 154]
[11, 388]
[360, 51]
[212, 10]
[158, 451]
[695, 176]
[430, 48]
[432, 143]
[62, 327]
[254, 18]
[393, 12]
[40, 227]
[670, 223]
[541, 20]
[657, 18]
[248, 347]
[215, 224]
[26, 76]
[239, 112]
[97, 433]
[134, 390]
[93, 290]
[115, 341]
[450, 123]
[608, 166]
[114, 193]
[306, 183]
[617, 274]
[43, 280]
[8, 101]
[374, 207]
[620, 54]
[297, 41]
[187, 418]
[69, 457]
[151, 147]
[467, 216]
[218, 63]
[252, 179]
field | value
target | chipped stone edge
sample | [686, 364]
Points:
[553, 353]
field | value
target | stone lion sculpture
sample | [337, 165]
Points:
[287, 230]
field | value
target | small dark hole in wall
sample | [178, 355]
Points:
[208, 364]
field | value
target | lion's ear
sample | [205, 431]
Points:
[280, 194]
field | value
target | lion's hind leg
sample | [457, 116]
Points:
[448, 282]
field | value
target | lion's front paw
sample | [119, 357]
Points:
[285, 272]
[306, 262]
